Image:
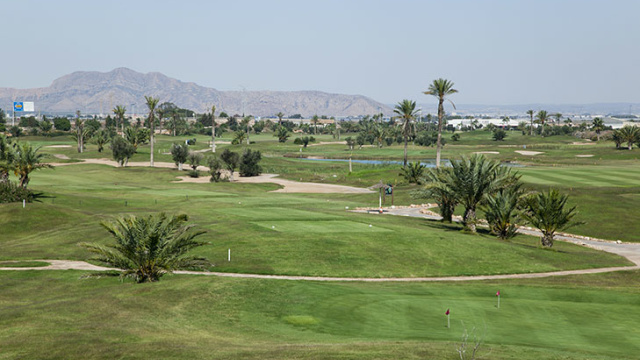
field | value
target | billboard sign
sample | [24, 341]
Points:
[23, 106]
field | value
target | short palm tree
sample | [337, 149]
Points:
[473, 178]
[503, 211]
[542, 117]
[597, 125]
[119, 111]
[101, 137]
[26, 159]
[146, 248]
[406, 110]
[629, 134]
[413, 172]
[531, 113]
[152, 103]
[437, 188]
[440, 88]
[548, 212]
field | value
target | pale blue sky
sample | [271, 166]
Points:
[496, 52]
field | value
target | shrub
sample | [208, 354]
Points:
[215, 169]
[179, 153]
[122, 150]
[499, 135]
[12, 192]
[62, 124]
[249, 163]
[194, 159]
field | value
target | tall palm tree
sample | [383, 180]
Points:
[548, 212]
[558, 117]
[79, 132]
[146, 248]
[597, 125]
[26, 159]
[530, 113]
[119, 111]
[213, 128]
[151, 104]
[440, 88]
[314, 119]
[406, 109]
[280, 115]
[542, 117]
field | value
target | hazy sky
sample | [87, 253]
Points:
[496, 52]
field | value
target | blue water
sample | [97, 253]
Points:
[427, 163]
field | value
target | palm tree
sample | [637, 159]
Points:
[314, 119]
[6, 158]
[80, 133]
[282, 134]
[379, 133]
[597, 126]
[530, 113]
[151, 104]
[213, 128]
[629, 134]
[413, 172]
[471, 180]
[26, 159]
[146, 248]
[119, 111]
[437, 188]
[175, 116]
[547, 211]
[440, 88]
[406, 109]
[280, 115]
[542, 117]
[503, 210]
[101, 137]
[558, 117]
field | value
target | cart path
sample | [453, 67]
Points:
[81, 265]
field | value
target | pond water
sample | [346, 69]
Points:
[428, 163]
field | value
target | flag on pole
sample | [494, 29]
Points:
[448, 319]
[498, 293]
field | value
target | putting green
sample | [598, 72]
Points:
[321, 226]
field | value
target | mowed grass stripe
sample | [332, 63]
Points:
[580, 177]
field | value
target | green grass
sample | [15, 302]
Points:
[22, 264]
[50, 315]
[269, 233]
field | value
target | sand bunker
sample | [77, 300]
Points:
[529, 153]
[584, 156]
[329, 143]
[582, 143]
[57, 146]
[61, 156]
[486, 152]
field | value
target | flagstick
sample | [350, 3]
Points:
[448, 322]
[498, 301]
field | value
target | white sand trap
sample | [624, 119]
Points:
[584, 156]
[529, 153]
[188, 179]
[486, 152]
[582, 143]
[329, 143]
[58, 146]
[61, 156]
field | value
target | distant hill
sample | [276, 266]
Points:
[95, 92]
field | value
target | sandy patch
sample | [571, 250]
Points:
[582, 143]
[328, 143]
[486, 152]
[529, 153]
[188, 179]
[584, 156]
[57, 146]
[61, 156]
[302, 187]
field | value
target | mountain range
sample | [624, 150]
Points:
[95, 92]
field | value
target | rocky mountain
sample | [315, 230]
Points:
[95, 92]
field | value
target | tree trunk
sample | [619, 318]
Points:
[180, 166]
[439, 142]
[469, 220]
[547, 240]
[152, 138]
[405, 151]
[24, 180]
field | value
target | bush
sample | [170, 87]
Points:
[62, 124]
[179, 153]
[122, 150]
[499, 135]
[215, 169]
[12, 192]
[249, 163]
[193, 173]
[194, 159]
